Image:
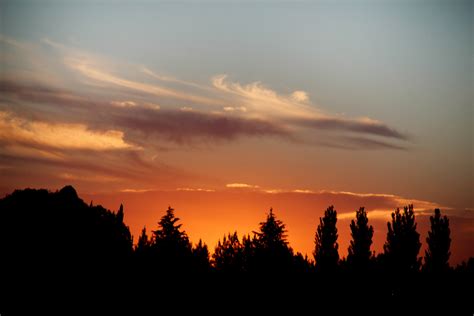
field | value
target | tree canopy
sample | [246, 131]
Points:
[359, 253]
[403, 241]
[326, 249]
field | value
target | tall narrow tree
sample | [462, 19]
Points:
[143, 242]
[326, 250]
[119, 213]
[439, 241]
[359, 254]
[403, 241]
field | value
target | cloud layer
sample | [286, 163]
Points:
[68, 109]
[224, 109]
[15, 130]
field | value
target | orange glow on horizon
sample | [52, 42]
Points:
[208, 215]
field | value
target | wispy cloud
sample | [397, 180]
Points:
[68, 176]
[222, 110]
[102, 76]
[380, 204]
[399, 200]
[124, 104]
[297, 110]
[241, 186]
[135, 190]
[142, 120]
[173, 79]
[195, 190]
[263, 101]
[187, 126]
[70, 136]
[362, 125]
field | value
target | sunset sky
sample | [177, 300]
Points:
[225, 109]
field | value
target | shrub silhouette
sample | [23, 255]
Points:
[326, 249]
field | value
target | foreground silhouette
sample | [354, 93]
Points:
[55, 238]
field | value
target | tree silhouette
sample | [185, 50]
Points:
[403, 241]
[54, 238]
[201, 257]
[439, 241]
[61, 230]
[272, 253]
[120, 213]
[326, 249]
[302, 264]
[228, 255]
[249, 246]
[142, 248]
[171, 246]
[359, 254]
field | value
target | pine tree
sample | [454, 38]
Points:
[272, 252]
[120, 214]
[403, 241]
[326, 250]
[359, 254]
[170, 245]
[272, 233]
[143, 252]
[439, 241]
[143, 242]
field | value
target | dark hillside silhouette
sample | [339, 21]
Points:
[58, 229]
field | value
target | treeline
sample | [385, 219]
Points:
[59, 225]
[44, 232]
[267, 250]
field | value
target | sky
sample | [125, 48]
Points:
[225, 109]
